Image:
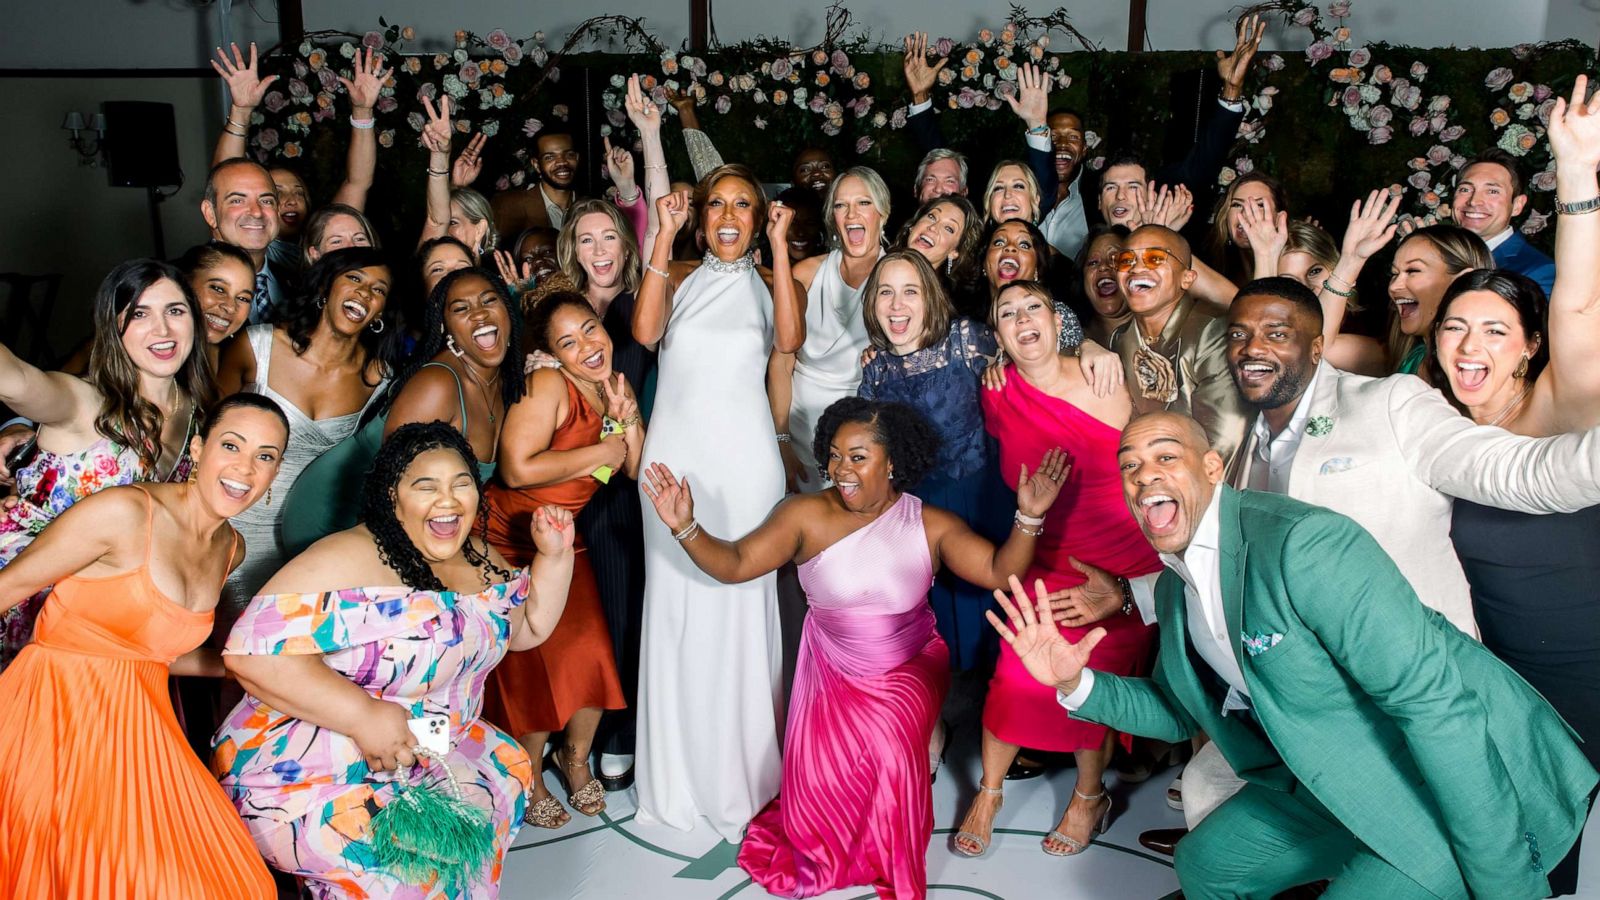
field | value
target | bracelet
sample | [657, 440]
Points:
[1328, 286]
[650, 268]
[1029, 520]
[1127, 595]
[1039, 130]
[240, 133]
[230, 121]
[438, 174]
[687, 532]
[785, 437]
[629, 200]
[362, 123]
[661, 166]
[630, 421]
[1582, 207]
[1030, 532]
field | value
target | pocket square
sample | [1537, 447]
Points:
[1260, 643]
[1336, 465]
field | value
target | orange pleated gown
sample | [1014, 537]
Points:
[539, 690]
[100, 795]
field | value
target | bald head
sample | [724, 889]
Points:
[1163, 237]
[1169, 473]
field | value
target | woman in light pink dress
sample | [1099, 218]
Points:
[856, 806]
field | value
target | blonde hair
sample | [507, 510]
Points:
[1027, 178]
[567, 246]
[476, 206]
[1318, 244]
[876, 189]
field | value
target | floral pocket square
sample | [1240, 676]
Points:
[1336, 465]
[1260, 643]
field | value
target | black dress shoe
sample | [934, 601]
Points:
[1163, 840]
[614, 783]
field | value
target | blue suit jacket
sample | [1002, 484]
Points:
[1517, 255]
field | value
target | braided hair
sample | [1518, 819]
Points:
[432, 340]
[912, 444]
[378, 499]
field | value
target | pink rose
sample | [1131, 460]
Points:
[1454, 132]
[1419, 180]
[1544, 110]
[830, 129]
[274, 102]
[298, 89]
[1098, 163]
[427, 90]
[1360, 57]
[267, 138]
[1498, 79]
[781, 68]
[1382, 75]
[1544, 181]
[1540, 92]
[1305, 16]
[323, 115]
[1380, 115]
[539, 56]
[1351, 97]
[723, 104]
[1418, 126]
[1439, 104]
[512, 54]
[468, 73]
[1417, 163]
[1380, 135]
[944, 46]
[1274, 63]
[560, 111]
[498, 40]
[863, 145]
[1419, 71]
[1339, 9]
[897, 119]
[372, 40]
[387, 104]
[1244, 165]
[327, 79]
[863, 105]
[817, 103]
[1319, 51]
[1437, 123]
[1535, 223]
[300, 70]
[839, 60]
[616, 117]
[1438, 155]
[532, 127]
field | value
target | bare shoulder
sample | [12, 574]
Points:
[806, 270]
[344, 559]
[428, 395]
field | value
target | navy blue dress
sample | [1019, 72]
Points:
[941, 381]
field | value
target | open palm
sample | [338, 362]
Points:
[1049, 657]
[671, 497]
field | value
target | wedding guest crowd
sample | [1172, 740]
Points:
[388, 535]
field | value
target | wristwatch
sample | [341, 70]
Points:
[1579, 208]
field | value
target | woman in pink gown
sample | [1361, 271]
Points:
[1046, 402]
[856, 804]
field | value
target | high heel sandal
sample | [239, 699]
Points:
[935, 760]
[983, 843]
[546, 813]
[1074, 846]
[589, 799]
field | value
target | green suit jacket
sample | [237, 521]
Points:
[1430, 750]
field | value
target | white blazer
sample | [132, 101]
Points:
[1391, 453]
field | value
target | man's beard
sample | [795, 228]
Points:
[1287, 388]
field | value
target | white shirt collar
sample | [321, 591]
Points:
[1495, 242]
[1291, 434]
[1207, 536]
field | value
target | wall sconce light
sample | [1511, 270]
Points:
[86, 139]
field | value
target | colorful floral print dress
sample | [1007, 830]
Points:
[305, 792]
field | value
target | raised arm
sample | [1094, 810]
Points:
[549, 578]
[237, 365]
[436, 137]
[1211, 289]
[48, 398]
[1220, 130]
[361, 160]
[979, 562]
[1372, 225]
[245, 89]
[654, 306]
[625, 192]
[920, 78]
[646, 117]
[703, 155]
[1031, 103]
[526, 459]
[1568, 391]
[775, 542]
[788, 295]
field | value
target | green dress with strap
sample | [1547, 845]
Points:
[327, 496]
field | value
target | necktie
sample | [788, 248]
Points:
[261, 304]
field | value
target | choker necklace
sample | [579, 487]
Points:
[743, 264]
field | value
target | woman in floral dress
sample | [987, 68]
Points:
[396, 619]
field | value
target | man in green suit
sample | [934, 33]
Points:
[1380, 746]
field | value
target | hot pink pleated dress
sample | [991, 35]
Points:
[855, 807]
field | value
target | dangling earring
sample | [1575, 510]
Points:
[1522, 368]
[949, 264]
[450, 342]
[194, 471]
[321, 302]
[269, 496]
[377, 326]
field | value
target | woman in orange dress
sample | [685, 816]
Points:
[574, 428]
[100, 795]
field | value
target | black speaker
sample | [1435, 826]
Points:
[141, 144]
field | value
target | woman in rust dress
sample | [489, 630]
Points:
[574, 428]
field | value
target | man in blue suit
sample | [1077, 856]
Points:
[1488, 196]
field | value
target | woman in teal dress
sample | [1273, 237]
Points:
[469, 372]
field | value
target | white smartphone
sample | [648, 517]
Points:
[432, 733]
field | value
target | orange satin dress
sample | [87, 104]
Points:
[100, 795]
[538, 690]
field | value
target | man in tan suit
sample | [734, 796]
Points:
[555, 160]
[1173, 351]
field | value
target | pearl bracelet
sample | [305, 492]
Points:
[650, 268]
[687, 533]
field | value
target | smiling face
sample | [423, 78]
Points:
[465, 230]
[1254, 194]
[235, 464]
[1100, 277]
[1120, 189]
[806, 238]
[246, 210]
[580, 343]
[1304, 268]
[158, 331]
[294, 201]
[856, 218]
[538, 250]
[1484, 201]
[1480, 342]
[1068, 143]
[900, 305]
[1009, 195]
[941, 178]
[340, 231]
[476, 319]
[599, 249]
[1026, 325]
[1154, 282]
[436, 503]
[225, 292]
[858, 466]
[556, 160]
[813, 169]
[1273, 349]
[356, 299]
[729, 217]
[937, 235]
[1417, 282]
[441, 261]
[1168, 477]
[1011, 256]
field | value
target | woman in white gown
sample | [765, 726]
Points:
[709, 673]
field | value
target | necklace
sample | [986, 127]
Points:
[743, 264]
[483, 387]
[1506, 410]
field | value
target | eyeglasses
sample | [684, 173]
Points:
[1153, 258]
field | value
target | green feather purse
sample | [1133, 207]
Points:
[426, 833]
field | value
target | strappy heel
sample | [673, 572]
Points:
[982, 842]
[589, 799]
[1075, 846]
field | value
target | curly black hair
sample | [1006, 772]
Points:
[300, 318]
[912, 443]
[432, 340]
[378, 498]
[543, 312]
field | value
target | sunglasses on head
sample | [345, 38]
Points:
[1153, 258]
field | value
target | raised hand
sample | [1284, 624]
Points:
[642, 111]
[620, 403]
[619, 163]
[684, 103]
[464, 171]
[1232, 67]
[1037, 492]
[778, 218]
[368, 83]
[1102, 368]
[246, 87]
[1032, 102]
[671, 497]
[920, 77]
[672, 210]
[1049, 657]
[1267, 232]
[1371, 223]
[437, 133]
[507, 264]
[1575, 131]
[553, 531]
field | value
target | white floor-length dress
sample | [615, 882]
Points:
[828, 365]
[710, 662]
